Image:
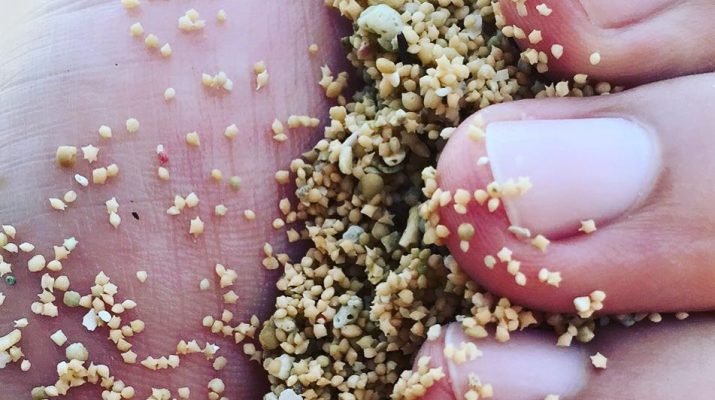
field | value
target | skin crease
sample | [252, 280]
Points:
[69, 68]
[48, 97]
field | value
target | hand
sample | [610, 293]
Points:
[647, 186]
[68, 68]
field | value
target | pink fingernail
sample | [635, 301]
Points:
[528, 366]
[593, 168]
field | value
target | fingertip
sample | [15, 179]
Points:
[529, 365]
[624, 38]
[434, 349]
[459, 169]
[587, 171]
[566, 35]
[525, 246]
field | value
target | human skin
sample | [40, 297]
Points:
[67, 69]
[654, 257]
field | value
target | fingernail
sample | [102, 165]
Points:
[528, 366]
[593, 168]
[618, 13]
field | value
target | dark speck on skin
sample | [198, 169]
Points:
[135, 215]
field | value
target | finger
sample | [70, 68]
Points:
[643, 361]
[637, 42]
[105, 78]
[644, 177]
